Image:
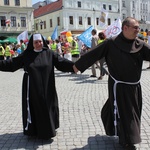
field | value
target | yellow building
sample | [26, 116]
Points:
[16, 16]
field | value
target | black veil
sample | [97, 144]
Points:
[30, 43]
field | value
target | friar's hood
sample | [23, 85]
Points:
[126, 45]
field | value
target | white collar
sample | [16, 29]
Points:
[37, 50]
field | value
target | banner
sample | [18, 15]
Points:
[54, 34]
[114, 29]
[103, 18]
[86, 36]
[23, 36]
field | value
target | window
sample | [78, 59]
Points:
[104, 6]
[79, 4]
[97, 21]
[2, 21]
[58, 21]
[89, 20]
[109, 21]
[141, 6]
[123, 16]
[41, 26]
[23, 21]
[133, 15]
[6, 2]
[80, 20]
[36, 26]
[51, 23]
[44, 24]
[71, 20]
[17, 2]
[146, 6]
[110, 8]
[123, 4]
[13, 21]
[133, 4]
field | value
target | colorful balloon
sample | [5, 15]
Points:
[68, 34]
[69, 39]
[19, 51]
[49, 38]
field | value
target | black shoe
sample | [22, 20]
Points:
[92, 76]
[129, 147]
[100, 78]
[148, 68]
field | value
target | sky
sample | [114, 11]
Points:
[35, 1]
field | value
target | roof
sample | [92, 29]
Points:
[52, 7]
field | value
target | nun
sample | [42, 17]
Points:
[40, 109]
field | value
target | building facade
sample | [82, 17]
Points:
[16, 16]
[139, 9]
[73, 15]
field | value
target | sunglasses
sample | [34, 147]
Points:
[134, 27]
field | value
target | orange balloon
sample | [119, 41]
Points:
[144, 34]
[68, 34]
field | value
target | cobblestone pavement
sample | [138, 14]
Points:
[80, 99]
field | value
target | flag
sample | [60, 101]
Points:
[114, 29]
[7, 21]
[23, 36]
[54, 34]
[86, 37]
[103, 18]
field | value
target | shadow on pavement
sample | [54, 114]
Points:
[20, 141]
[101, 143]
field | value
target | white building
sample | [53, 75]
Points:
[73, 15]
[16, 16]
[139, 9]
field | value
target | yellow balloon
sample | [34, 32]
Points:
[69, 39]
[49, 38]
[68, 34]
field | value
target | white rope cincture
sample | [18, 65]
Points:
[116, 111]
[28, 107]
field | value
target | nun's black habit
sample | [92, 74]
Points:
[124, 59]
[39, 97]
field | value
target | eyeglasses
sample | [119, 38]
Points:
[134, 27]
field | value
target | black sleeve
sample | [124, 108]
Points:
[11, 65]
[62, 64]
[92, 56]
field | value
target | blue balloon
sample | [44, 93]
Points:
[19, 51]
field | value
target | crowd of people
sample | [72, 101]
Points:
[9, 50]
[123, 54]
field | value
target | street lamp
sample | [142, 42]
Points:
[41, 23]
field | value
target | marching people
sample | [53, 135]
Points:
[40, 107]
[66, 50]
[74, 50]
[53, 45]
[93, 45]
[148, 37]
[7, 51]
[22, 45]
[124, 55]
[2, 52]
[58, 48]
[103, 71]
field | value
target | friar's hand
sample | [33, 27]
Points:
[75, 69]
